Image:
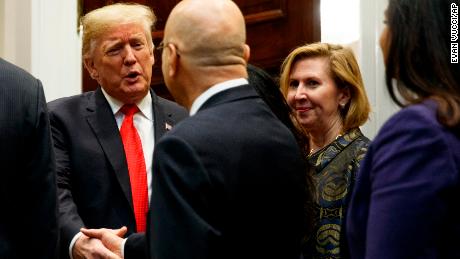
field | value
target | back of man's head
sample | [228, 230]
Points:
[208, 33]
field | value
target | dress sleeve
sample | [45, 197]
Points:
[412, 179]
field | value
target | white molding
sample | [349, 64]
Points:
[55, 52]
[372, 67]
[2, 29]
[16, 32]
[41, 37]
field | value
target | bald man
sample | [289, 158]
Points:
[229, 180]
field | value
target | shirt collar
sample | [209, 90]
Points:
[203, 97]
[144, 105]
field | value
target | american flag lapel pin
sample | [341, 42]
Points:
[168, 127]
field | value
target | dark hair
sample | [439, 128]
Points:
[270, 93]
[419, 56]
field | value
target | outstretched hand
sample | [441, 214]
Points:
[91, 248]
[110, 238]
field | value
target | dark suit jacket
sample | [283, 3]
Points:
[28, 217]
[229, 183]
[93, 180]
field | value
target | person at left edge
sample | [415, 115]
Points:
[28, 217]
[93, 173]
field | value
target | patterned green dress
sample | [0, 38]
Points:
[335, 169]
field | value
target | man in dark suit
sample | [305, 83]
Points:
[229, 180]
[28, 217]
[101, 182]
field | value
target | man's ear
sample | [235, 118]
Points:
[246, 52]
[89, 65]
[173, 57]
[152, 56]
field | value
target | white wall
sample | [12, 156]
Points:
[357, 24]
[372, 66]
[56, 50]
[2, 24]
[340, 21]
[41, 37]
[15, 45]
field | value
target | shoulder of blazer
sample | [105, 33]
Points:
[17, 82]
[87, 100]
[13, 72]
[168, 108]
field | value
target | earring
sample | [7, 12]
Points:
[342, 105]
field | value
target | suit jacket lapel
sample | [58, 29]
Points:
[161, 120]
[101, 120]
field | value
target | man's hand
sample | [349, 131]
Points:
[91, 248]
[110, 238]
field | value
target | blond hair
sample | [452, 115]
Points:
[96, 22]
[344, 70]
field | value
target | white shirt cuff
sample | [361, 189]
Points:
[122, 248]
[72, 243]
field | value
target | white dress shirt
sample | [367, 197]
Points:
[143, 122]
[202, 98]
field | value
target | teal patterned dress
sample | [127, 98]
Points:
[335, 168]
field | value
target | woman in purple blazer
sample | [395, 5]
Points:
[406, 200]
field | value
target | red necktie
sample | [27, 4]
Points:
[136, 165]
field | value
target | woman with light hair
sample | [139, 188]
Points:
[323, 85]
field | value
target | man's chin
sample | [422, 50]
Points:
[132, 93]
[137, 88]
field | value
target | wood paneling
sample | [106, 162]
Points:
[274, 28]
